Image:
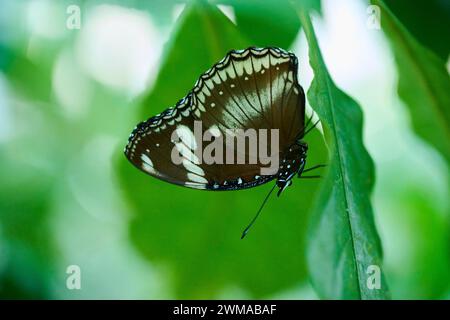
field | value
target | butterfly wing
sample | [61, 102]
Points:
[251, 89]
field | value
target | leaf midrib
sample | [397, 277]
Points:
[338, 147]
[344, 185]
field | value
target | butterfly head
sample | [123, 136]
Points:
[292, 164]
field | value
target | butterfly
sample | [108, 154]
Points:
[244, 112]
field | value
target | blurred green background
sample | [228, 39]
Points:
[70, 97]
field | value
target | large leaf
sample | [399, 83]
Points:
[343, 239]
[193, 236]
[266, 23]
[424, 83]
[428, 21]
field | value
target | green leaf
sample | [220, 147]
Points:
[420, 239]
[27, 248]
[28, 78]
[311, 5]
[424, 83]
[193, 236]
[343, 240]
[267, 22]
[428, 22]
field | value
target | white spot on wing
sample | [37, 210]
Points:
[231, 73]
[201, 97]
[185, 112]
[257, 64]
[239, 68]
[196, 178]
[247, 65]
[187, 136]
[146, 160]
[223, 75]
[214, 130]
[201, 107]
[209, 84]
[187, 153]
[265, 62]
[147, 164]
[217, 79]
[195, 185]
[192, 167]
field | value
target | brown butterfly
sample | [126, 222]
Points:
[251, 92]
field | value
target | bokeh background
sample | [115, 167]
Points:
[70, 97]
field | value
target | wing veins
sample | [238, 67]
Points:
[246, 98]
[256, 85]
[232, 97]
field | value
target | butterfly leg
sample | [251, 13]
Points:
[282, 188]
[315, 167]
[310, 169]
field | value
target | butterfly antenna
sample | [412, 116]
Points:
[314, 125]
[301, 133]
[244, 233]
[308, 122]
